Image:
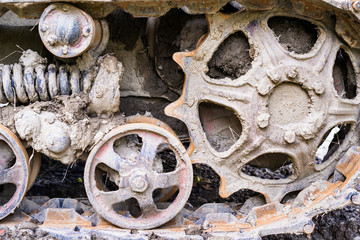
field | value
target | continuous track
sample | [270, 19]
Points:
[253, 102]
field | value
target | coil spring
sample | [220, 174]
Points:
[29, 84]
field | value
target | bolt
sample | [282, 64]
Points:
[290, 136]
[309, 228]
[355, 199]
[65, 49]
[319, 88]
[52, 39]
[44, 27]
[139, 183]
[65, 8]
[292, 73]
[263, 89]
[263, 120]
[275, 77]
[356, 6]
[86, 31]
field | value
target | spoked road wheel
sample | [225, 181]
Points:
[135, 162]
[14, 172]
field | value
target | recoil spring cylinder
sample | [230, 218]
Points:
[19, 85]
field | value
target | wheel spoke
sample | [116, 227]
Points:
[149, 148]
[117, 196]
[108, 156]
[342, 112]
[147, 204]
[165, 180]
[320, 61]
[11, 175]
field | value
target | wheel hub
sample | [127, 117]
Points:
[139, 181]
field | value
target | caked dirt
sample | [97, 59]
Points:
[294, 35]
[164, 80]
[232, 59]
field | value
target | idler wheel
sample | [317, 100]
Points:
[14, 172]
[134, 172]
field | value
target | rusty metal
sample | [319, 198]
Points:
[35, 164]
[134, 174]
[67, 31]
[14, 171]
[216, 220]
[263, 130]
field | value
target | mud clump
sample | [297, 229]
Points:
[177, 32]
[232, 59]
[294, 35]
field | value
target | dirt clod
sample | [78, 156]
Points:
[232, 59]
[294, 35]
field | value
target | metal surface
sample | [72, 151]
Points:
[22, 84]
[67, 31]
[286, 104]
[69, 218]
[14, 172]
[35, 164]
[267, 127]
[136, 176]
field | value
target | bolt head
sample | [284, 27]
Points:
[292, 73]
[290, 136]
[65, 8]
[52, 39]
[44, 27]
[275, 77]
[356, 6]
[65, 49]
[263, 120]
[319, 88]
[139, 183]
[86, 31]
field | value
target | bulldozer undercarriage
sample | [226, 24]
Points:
[268, 92]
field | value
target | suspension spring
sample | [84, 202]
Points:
[21, 85]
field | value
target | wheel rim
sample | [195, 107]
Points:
[35, 165]
[14, 171]
[136, 176]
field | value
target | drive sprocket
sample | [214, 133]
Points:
[279, 112]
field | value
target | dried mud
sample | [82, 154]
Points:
[232, 59]
[294, 35]
[58, 180]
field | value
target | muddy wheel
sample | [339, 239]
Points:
[14, 172]
[135, 162]
[35, 165]
[271, 99]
